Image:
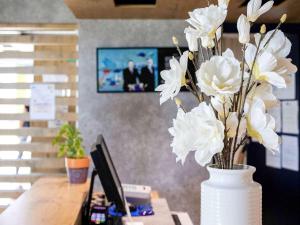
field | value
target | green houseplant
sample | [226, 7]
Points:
[69, 141]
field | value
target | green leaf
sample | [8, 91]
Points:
[69, 141]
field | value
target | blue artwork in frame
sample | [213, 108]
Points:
[127, 69]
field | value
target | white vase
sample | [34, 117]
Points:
[231, 197]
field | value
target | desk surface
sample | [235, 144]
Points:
[53, 201]
[50, 201]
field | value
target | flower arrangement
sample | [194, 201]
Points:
[233, 96]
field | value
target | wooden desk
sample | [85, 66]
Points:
[53, 201]
[50, 201]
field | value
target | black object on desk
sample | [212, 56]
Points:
[108, 175]
[110, 181]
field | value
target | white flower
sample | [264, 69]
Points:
[221, 104]
[243, 27]
[174, 78]
[192, 38]
[264, 66]
[206, 21]
[264, 92]
[280, 46]
[232, 123]
[223, 3]
[285, 68]
[198, 130]
[220, 75]
[261, 125]
[255, 10]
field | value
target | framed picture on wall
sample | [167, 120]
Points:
[127, 69]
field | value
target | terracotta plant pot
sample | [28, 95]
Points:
[77, 169]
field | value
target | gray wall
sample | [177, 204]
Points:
[134, 125]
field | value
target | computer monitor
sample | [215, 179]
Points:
[108, 175]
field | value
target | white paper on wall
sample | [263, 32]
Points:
[42, 102]
[289, 92]
[276, 113]
[290, 153]
[273, 159]
[290, 117]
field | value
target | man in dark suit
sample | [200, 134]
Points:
[130, 75]
[147, 76]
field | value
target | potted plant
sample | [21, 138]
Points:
[69, 141]
[233, 98]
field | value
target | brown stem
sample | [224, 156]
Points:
[191, 78]
[272, 35]
[221, 40]
[239, 96]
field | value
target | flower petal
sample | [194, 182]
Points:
[184, 61]
[192, 39]
[265, 8]
[274, 79]
[243, 27]
[250, 54]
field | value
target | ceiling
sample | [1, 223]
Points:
[172, 9]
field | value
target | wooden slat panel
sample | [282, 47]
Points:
[26, 101]
[51, 170]
[31, 131]
[68, 69]
[42, 55]
[53, 54]
[58, 86]
[28, 177]
[43, 163]
[38, 26]
[26, 117]
[32, 147]
[2, 208]
[10, 193]
[39, 39]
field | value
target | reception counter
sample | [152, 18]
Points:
[53, 201]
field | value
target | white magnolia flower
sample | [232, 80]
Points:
[243, 27]
[197, 130]
[255, 9]
[223, 3]
[220, 75]
[206, 21]
[261, 125]
[232, 123]
[264, 92]
[285, 68]
[221, 104]
[174, 78]
[280, 46]
[192, 38]
[264, 66]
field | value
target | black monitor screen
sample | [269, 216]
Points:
[107, 173]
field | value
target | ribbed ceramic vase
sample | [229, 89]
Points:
[231, 197]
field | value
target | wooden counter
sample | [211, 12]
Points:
[53, 201]
[50, 201]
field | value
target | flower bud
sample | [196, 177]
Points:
[283, 18]
[191, 56]
[263, 29]
[178, 102]
[175, 40]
